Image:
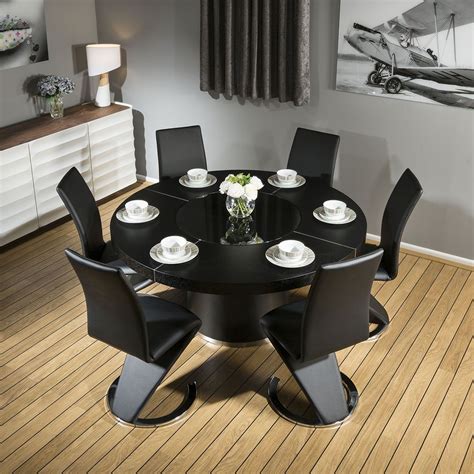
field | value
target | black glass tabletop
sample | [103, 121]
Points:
[224, 265]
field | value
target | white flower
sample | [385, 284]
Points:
[224, 187]
[235, 190]
[251, 191]
[256, 182]
[229, 176]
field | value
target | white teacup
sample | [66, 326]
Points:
[334, 209]
[286, 176]
[197, 175]
[136, 208]
[290, 250]
[174, 246]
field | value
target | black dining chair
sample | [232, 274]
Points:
[152, 332]
[314, 154]
[398, 209]
[306, 335]
[180, 149]
[80, 203]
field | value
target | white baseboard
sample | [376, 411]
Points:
[429, 252]
[147, 179]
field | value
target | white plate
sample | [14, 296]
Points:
[350, 215]
[274, 181]
[272, 256]
[332, 218]
[153, 213]
[156, 253]
[209, 181]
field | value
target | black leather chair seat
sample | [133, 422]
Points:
[398, 209]
[381, 274]
[284, 325]
[167, 323]
[180, 149]
[314, 153]
[79, 201]
[152, 332]
[307, 334]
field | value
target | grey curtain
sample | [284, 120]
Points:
[256, 49]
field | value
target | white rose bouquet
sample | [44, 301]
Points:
[242, 191]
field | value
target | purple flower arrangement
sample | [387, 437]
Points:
[51, 86]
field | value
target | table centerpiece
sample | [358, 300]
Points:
[242, 192]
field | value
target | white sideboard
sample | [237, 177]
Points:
[98, 142]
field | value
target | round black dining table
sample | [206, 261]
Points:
[231, 284]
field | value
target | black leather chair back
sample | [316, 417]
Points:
[114, 315]
[80, 203]
[314, 154]
[399, 206]
[180, 149]
[337, 311]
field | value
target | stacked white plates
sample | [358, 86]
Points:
[187, 183]
[191, 251]
[273, 255]
[274, 181]
[349, 216]
[152, 213]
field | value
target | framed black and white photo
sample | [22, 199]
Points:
[420, 50]
[23, 38]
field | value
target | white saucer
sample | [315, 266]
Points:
[350, 215]
[274, 181]
[209, 181]
[153, 213]
[272, 256]
[156, 253]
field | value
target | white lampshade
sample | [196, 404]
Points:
[102, 58]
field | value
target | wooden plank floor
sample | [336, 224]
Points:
[415, 383]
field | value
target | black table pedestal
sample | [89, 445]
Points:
[234, 319]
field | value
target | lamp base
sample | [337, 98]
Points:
[102, 98]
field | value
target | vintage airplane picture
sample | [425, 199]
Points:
[420, 50]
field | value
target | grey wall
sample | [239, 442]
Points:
[70, 24]
[380, 137]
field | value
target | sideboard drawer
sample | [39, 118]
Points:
[51, 158]
[112, 153]
[18, 215]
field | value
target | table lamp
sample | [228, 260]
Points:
[101, 59]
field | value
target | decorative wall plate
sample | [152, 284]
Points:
[13, 32]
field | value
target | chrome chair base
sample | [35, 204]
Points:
[176, 415]
[352, 396]
[377, 315]
[217, 342]
[377, 332]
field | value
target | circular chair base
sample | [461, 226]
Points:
[217, 342]
[351, 394]
[176, 415]
[377, 332]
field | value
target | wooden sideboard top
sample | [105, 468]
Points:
[39, 127]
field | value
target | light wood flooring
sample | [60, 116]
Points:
[415, 383]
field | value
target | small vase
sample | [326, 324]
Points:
[56, 106]
[239, 207]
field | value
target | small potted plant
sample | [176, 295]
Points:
[242, 192]
[53, 88]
